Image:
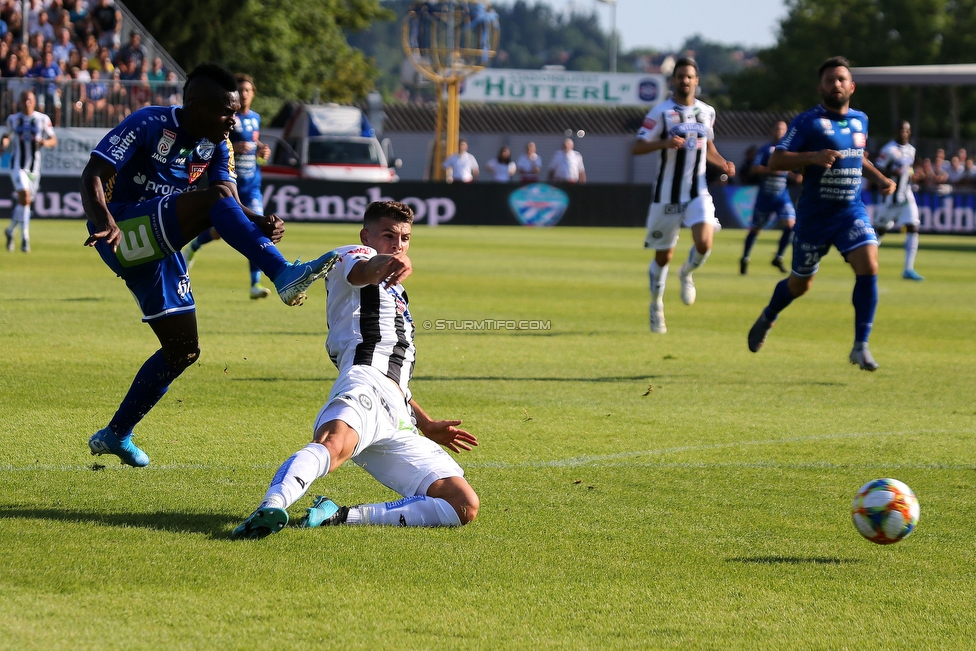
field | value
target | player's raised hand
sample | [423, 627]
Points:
[446, 433]
[273, 227]
[395, 269]
[826, 157]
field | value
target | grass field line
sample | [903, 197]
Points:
[616, 459]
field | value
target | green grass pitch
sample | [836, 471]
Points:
[638, 491]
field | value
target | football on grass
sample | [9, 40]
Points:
[885, 511]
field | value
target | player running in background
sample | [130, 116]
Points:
[28, 131]
[139, 192]
[682, 129]
[371, 416]
[773, 199]
[899, 208]
[828, 142]
[249, 151]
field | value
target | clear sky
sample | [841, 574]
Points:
[664, 24]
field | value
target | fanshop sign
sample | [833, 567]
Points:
[564, 87]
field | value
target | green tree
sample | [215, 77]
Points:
[294, 50]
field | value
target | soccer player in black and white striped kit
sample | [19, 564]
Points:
[370, 416]
[682, 129]
[26, 133]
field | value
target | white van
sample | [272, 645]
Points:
[330, 142]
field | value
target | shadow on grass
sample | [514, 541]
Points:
[75, 299]
[214, 525]
[793, 560]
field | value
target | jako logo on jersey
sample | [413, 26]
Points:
[164, 145]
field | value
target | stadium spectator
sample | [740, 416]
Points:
[48, 92]
[33, 12]
[103, 62]
[107, 21]
[84, 74]
[133, 53]
[529, 164]
[98, 111]
[64, 47]
[140, 93]
[118, 95]
[35, 45]
[77, 11]
[501, 167]
[956, 170]
[969, 180]
[170, 93]
[44, 27]
[157, 73]
[462, 167]
[90, 47]
[566, 165]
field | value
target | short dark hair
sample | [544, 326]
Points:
[395, 210]
[215, 73]
[833, 62]
[684, 62]
[241, 78]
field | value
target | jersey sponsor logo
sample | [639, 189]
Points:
[365, 402]
[649, 123]
[860, 140]
[205, 150]
[853, 153]
[361, 250]
[856, 124]
[118, 151]
[165, 143]
[183, 287]
[196, 169]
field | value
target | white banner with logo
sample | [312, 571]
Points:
[71, 154]
[564, 87]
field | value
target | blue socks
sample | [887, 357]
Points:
[242, 234]
[782, 297]
[203, 238]
[255, 273]
[750, 241]
[784, 241]
[150, 384]
[865, 300]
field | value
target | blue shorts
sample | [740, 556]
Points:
[780, 205]
[813, 237]
[252, 198]
[149, 258]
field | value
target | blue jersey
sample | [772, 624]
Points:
[247, 127]
[773, 185]
[154, 156]
[829, 192]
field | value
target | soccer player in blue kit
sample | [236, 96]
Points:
[140, 193]
[772, 199]
[828, 142]
[248, 150]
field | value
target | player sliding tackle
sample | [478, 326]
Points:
[828, 141]
[370, 416]
[140, 194]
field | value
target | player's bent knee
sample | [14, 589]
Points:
[181, 358]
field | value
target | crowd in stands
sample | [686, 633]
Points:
[70, 53]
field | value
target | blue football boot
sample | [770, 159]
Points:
[324, 513]
[296, 278]
[104, 441]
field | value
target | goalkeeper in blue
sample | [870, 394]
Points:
[828, 142]
[140, 193]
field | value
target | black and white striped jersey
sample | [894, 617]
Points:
[26, 133]
[895, 161]
[369, 325]
[681, 177]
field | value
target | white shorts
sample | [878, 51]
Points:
[25, 180]
[888, 215]
[664, 220]
[390, 448]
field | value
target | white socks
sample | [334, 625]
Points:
[658, 277]
[695, 260]
[296, 475]
[416, 511]
[911, 248]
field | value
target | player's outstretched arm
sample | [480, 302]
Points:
[787, 161]
[647, 146]
[384, 268]
[96, 174]
[443, 432]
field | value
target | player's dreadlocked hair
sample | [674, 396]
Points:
[215, 73]
[395, 210]
[833, 62]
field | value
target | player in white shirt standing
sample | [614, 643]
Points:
[462, 165]
[682, 129]
[566, 165]
[26, 132]
[370, 416]
[895, 160]
[529, 164]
